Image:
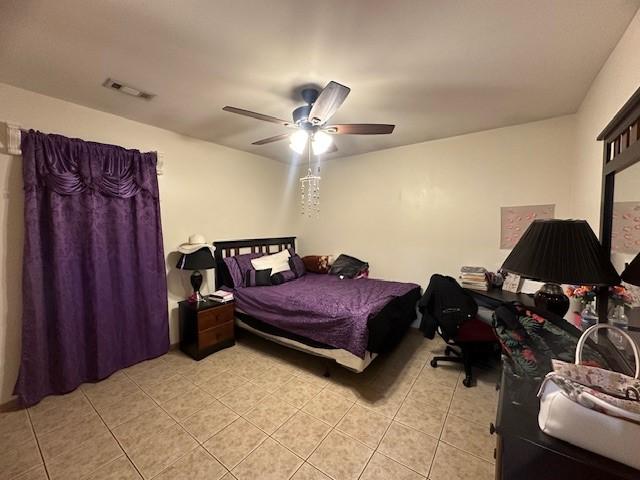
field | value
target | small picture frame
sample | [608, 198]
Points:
[513, 283]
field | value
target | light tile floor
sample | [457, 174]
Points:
[261, 411]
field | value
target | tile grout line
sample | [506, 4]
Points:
[81, 392]
[163, 409]
[304, 460]
[114, 437]
[198, 443]
[468, 453]
[315, 418]
[391, 423]
[35, 436]
[301, 376]
[247, 420]
[444, 424]
[159, 406]
[176, 422]
[374, 450]
[472, 421]
[461, 449]
[179, 423]
[247, 455]
[328, 433]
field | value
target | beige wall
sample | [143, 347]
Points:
[616, 82]
[199, 178]
[431, 207]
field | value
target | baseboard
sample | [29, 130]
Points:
[11, 405]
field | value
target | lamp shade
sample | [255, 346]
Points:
[631, 274]
[199, 260]
[561, 251]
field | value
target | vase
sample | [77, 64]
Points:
[588, 316]
[618, 318]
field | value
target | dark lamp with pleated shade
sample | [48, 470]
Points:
[560, 251]
[201, 259]
[631, 273]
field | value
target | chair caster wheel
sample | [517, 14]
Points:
[467, 382]
[434, 363]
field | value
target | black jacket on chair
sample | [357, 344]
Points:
[445, 304]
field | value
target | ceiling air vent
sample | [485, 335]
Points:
[121, 87]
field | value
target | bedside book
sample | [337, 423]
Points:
[221, 296]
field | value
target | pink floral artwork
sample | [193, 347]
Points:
[515, 220]
[625, 234]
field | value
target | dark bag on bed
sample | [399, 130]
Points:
[445, 304]
[348, 266]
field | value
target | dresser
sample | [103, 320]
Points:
[524, 452]
[206, 327]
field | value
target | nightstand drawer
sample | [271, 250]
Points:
[214, 317]
[215, 335]
[206, 327]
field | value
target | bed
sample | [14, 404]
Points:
[349, 321]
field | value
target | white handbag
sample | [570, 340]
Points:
[595, 409]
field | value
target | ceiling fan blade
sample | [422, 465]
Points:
[328, 102]
[257, 116]
[359, 129]
[275, 138]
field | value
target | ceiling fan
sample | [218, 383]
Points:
[310, 121]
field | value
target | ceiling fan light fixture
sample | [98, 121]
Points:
[321, 142]
[298, 141]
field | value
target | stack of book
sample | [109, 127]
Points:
[474, 277]
[221, 296]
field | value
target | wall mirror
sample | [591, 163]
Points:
[620, 215]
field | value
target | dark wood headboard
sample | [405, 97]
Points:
[229, 248]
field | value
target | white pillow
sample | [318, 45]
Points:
[278, 262]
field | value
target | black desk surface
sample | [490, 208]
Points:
[503, 296]
[497, 294]
[528, 453]
[532, 454]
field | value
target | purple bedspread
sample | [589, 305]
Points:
[322, 307]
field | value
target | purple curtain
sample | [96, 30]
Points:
[94, 283]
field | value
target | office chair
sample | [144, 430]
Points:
[452, 312]
[472, 336]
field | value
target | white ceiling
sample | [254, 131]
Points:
[435, 68]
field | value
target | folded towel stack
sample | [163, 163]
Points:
[474, 277]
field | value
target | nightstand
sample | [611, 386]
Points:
[206, 327]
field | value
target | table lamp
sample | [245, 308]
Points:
[631, 273]
[201, 259]
[560, 251]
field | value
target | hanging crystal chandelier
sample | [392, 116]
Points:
[310, 190]
[310, 194]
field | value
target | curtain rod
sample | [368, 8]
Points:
[14, 137]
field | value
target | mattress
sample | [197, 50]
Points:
[342, 357]
[323, 311]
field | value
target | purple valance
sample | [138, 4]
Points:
[53, 162]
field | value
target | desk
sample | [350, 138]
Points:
[496, 296]
[502, 296]
[524, 452]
